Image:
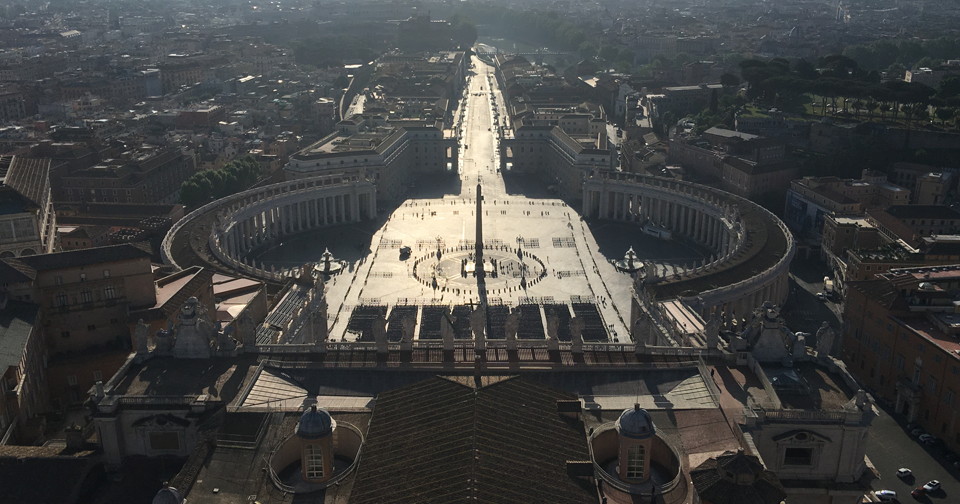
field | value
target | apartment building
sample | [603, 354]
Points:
[900, 339]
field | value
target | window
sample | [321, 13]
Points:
[798, 456]
[62, 299]
[72, 380]
[91, 327]
[109, 292]
[59, 280]
[164, 441]
[86, 296]
[97, 375]
[64, 334]
[314, 461]
[635, 462]
[948, 397]
[106, 273]
[83, 277]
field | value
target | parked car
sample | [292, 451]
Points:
[918, 492]
[925, 438]
[932, 486]
[821, 296]
[904, 473]
[885, 495]
[917, 432]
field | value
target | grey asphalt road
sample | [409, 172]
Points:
[890, 447]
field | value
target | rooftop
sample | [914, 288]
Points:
[28, 179]
[219, 378]
[85, 257]
[446, 442]
[16, 324]
[726, 133]
[808, 386]
[923, 212]
[931, 333]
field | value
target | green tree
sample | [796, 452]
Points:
[729, 80]
[464, 34]
[949, 87]
[945, 114]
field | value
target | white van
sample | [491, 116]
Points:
[886, 495]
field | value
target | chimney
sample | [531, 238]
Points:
[477, 372]
[569, 408]
[74, 435]
[580, 468]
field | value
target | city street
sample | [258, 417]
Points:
[803, 311]
[890, 447]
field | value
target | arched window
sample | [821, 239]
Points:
[635, 462]
[314, 461]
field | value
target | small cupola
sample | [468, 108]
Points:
[635, 423]
[315, 431]
[168, 495]
[315, 424]
[635, 433]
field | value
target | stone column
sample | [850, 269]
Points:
[111, 440]
[711, 228]
[235, 242]
[698, 227]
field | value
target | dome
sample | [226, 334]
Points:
[635, 423]
[315, 423]
[168, 495]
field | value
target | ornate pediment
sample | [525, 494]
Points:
[161, 421]
[801, 436]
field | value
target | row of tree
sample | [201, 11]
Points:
[841, 81]
[907, 53]
[548, 28]
[208, 185]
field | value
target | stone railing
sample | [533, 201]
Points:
[807, 416]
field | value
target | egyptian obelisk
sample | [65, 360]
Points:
[478, 254]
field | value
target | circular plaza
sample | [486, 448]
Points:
[560, 258]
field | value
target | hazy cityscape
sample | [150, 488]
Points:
[497, 251]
